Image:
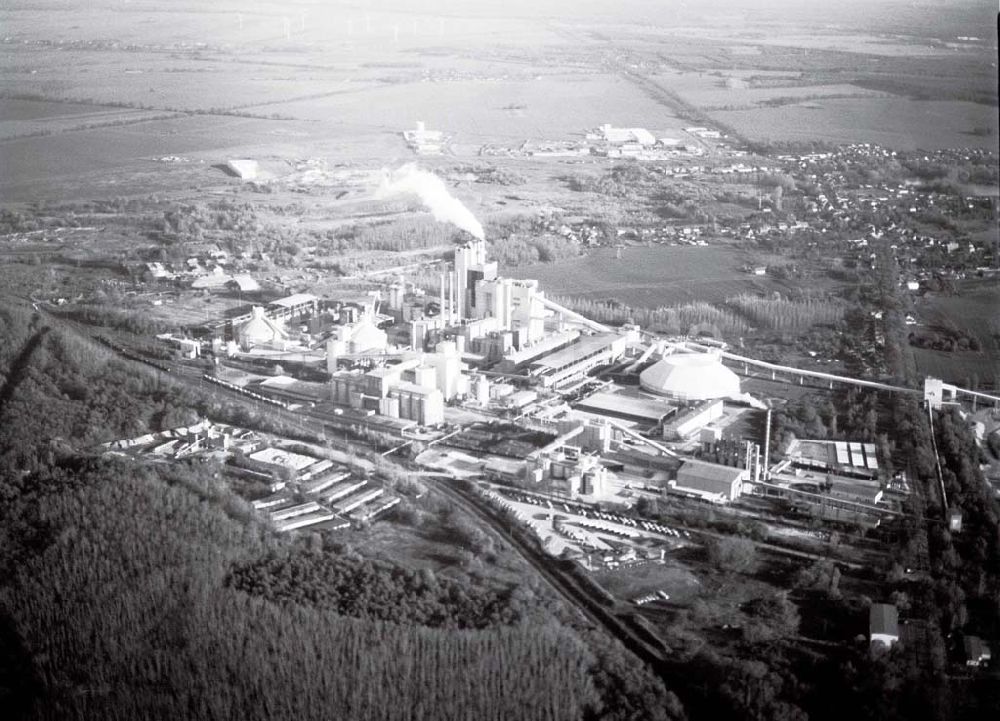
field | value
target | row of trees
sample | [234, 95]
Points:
[969, 562]
[735, 317]
[689, 318]
[784, 314]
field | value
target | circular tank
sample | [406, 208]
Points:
[690, 377]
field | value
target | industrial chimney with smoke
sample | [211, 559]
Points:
[432, 192]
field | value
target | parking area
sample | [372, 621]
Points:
[584, 529]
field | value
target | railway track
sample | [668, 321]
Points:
[597, 607]
[626, 627]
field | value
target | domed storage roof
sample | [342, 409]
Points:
[367, 336]
[690, 377]
[260, 329]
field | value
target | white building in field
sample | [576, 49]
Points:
[620, 136]
[243, 168]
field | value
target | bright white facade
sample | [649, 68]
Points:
[516, 305]
[243, 168]
[690, 377]
[618, 136]
[470, 266]
[261, 331]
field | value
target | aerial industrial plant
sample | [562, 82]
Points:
[548, 361]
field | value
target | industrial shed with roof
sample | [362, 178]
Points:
[710, 481]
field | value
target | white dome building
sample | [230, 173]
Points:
[365, 336]
[357, 338]
[261, 331]
[690, 377]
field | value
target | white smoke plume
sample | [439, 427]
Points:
[410, 180]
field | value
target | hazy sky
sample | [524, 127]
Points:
[937, 18]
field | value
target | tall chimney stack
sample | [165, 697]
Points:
[767, 447]
[454, 314]
[441, 310]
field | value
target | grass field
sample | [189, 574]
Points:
[708, 91]
[652, 276]
[429, 546]
[630, 583]
[550, 107]
[69, 117]
[976, 309]
[893, 122]
[67, 155]
[13, 110]
[341, 82]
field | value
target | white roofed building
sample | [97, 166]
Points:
[883, 624]
[619, 136]
[261, 331]
[293, 305]
[361, 337]
[690, 377]
[243, 168]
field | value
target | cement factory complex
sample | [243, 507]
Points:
[560, 421]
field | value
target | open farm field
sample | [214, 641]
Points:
[31, 159]
[126, 160]
[976, 311]
[19, 111]
[710, 92]
[892, 122]
[963, 368]
[64, 119]
[186, 81]
[551, 107]
[226, 23]
[651, 277]
[845, 42]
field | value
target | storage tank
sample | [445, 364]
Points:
[690, 377]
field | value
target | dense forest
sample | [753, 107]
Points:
[133, 590]
[115, 582]
[362, 588]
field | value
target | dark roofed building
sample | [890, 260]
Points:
[883, 624]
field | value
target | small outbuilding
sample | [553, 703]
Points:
[977, 652]
[243, 283]
[243, 168]
[883, 624]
